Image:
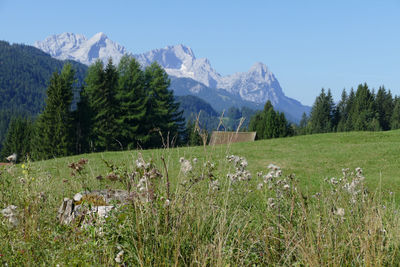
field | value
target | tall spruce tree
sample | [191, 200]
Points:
[83, 124]
[54, 132]
[363, 112]
[350, 111]
[384, 107]
[321, 117]
[101, 90]
[133, 102]
[342, 112]
[164, 115]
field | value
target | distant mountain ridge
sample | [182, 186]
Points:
[76, 47]
[254, 87]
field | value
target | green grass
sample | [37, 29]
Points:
[234, 225]
[311, 158]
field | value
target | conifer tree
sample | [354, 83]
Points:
[384, 107]
[101, 90]
[164, 116]
[303, 124]
[54, 133]
[133, 102]
[350, 111]
[342, 112]
[321, 117]
[83, 124]
[363, 112]
[193, 137]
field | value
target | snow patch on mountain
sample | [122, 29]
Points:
[257, 85]
[77, 47]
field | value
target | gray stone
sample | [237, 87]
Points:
[90, 207]
[11, 214]
[78, 197]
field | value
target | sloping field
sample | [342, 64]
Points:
[212, 215]
[311, 158]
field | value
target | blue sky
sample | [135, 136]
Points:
[306, 44]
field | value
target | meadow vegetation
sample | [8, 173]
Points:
[328, 199]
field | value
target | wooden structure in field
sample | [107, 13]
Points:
[222, 137]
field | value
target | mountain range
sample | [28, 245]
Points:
[189, 75]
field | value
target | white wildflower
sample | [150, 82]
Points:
[286, 186]
[271, 202]
[119, 255]
[339, 212]
[260, 186]
[268, 177]
[278, 173]
[273, 167]
[214, 185]
[334, 181]
[186, 166]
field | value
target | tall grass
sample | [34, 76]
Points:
[205, 211]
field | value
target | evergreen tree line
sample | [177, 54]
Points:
[120, 107]
[270, 123]
[360, 110]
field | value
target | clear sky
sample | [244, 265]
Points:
[307, 44]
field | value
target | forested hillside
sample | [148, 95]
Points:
[358, 110]
[25, 72]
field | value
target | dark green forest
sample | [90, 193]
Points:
[25, 73]
[357, 110]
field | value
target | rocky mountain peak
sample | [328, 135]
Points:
[256, 85]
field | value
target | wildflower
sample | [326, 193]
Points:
[339, 212]
[140, 163]
[195, 160]
[214, 185]
[119, 255]
[243, 163]
[268, 177]
[286, 186]
[260, 186]
[334, 181]
[167, 202]
[186, 166]
[271, 202]
[23, 166]
[22, 181]
[273, 167]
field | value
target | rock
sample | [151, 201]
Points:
[11, 214]
[89, 207]
[78, 197]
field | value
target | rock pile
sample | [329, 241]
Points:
[87, 207]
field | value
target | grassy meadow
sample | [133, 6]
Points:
[212, 213]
